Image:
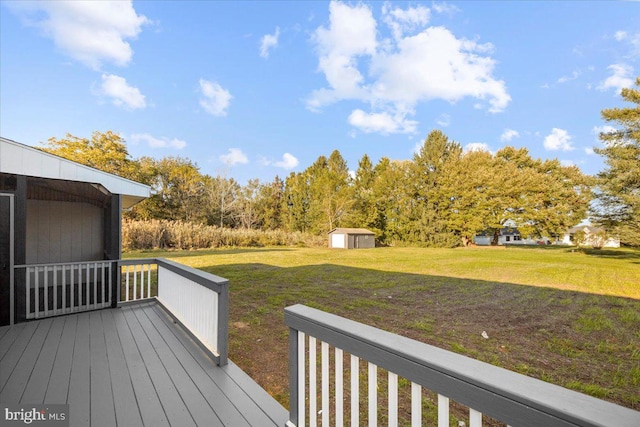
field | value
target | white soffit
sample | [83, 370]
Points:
[20, 159]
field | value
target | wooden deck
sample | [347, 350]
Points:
[130, 366]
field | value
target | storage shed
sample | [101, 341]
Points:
[54, 211]
[351, 238]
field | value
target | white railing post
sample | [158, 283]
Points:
[355, 390]
[416, 405]
[325, 384]
[339, 387]
[313, 409]
[373, 394]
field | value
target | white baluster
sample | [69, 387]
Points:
[393, 400]
[373, 395]
[339, 388]
[313, 408]
[475, 418]
[416, 405]
[302, 393]
[443, 411]
[325, 384]
[355, 391]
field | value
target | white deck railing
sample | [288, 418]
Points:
[505, 396]
[60, 288]
[196, 299]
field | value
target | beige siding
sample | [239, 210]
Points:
[63, 231]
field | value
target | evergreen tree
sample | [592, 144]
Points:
[617, 207]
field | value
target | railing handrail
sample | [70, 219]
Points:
[505, 395]
[57, 264]
[208, 280]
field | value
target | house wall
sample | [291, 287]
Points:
[63, 232]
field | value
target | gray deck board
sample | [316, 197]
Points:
[211, 391]
[14, 353]
[243, 394]
[102, 407]
[124, 402]
[131, 366]
[16, 383]
[37, 386]
[58, 386]
[79, 396]
[197, 406]
[151, 409]
[8, 337]
[174, 408]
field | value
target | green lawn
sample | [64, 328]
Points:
[566, 316]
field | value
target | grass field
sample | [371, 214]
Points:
[570, 317]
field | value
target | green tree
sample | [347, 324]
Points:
[270, 204]
[393, 200]
[617, 207]
[363, 212]
[295, 203]
[104, 151]
[438, 158]
[178, 189]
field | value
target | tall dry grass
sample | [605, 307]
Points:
[163, 234]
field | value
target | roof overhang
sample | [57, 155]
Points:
[20, 159]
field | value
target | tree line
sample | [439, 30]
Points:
[443, 197]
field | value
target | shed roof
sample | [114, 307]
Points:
[20, 159]
[351, 231]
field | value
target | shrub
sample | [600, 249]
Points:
[164, 234]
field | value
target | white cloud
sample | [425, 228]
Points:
[620, 35]
[154, 142]
[233, 157]
[384, 122]
[393, 76]
[121, 94]
[476, 146]
[288, 161]
[91, 32]
[567, 163]
[445, 8]
[620, 78]
[444, 120]
[558, 139]
[603, 129]
[589, 151]
[509, 134]
[351, 33]
[401, 21]
[215, 99]
[269, 41]
[574, 75]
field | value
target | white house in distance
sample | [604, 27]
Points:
[591, 237]
[508, 236]
[511, 236]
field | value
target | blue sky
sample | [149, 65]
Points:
[258, 89]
